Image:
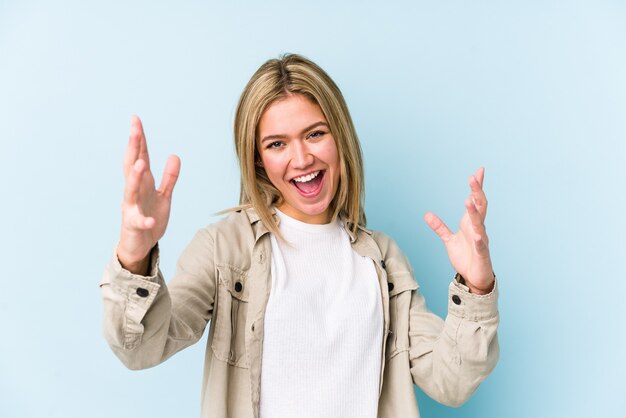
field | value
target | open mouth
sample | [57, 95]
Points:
[310, 184]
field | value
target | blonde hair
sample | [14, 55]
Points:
[275, 80]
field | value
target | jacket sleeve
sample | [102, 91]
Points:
[448, 359]
[145, 322]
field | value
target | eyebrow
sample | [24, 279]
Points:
[308, 128]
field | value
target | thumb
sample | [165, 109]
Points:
[438, 226]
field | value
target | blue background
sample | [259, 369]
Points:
[533, 90]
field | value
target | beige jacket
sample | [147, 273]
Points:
[223, 276]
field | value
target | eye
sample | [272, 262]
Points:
[275, 144]
[316, 134]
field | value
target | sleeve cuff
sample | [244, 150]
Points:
[463, 304]
[153, 269]
[139, 291]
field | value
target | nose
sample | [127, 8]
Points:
[301, 156]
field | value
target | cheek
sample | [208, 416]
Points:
[274, 166]
[329, 154]
[333, 159]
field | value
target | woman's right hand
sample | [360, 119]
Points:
[145, 210]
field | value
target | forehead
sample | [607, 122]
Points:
[289, 116]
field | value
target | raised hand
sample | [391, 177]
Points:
[145, 210]
[468, 249]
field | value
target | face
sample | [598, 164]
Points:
[300, 157]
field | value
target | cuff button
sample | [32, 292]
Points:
[456, 299]
[142, 292]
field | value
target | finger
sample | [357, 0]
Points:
[479, 236]
[438, 226]
[170, 175]
[133, 182]
[475, 217]
[478, 196]
[480, 175]
[132, 150]
[143, 145]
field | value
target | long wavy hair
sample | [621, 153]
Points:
[274, 80]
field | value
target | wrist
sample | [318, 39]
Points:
[134, 265]
[474, 289]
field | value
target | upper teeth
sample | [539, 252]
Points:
[306, 178]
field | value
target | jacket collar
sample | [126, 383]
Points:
[261, 229]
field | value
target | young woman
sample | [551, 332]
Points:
[311, 314]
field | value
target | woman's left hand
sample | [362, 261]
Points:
[468, 249]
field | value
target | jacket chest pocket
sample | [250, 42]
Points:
[401, 287]
[229, 343]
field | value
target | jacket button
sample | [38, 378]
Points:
[390, 286]
[142, 292]
[238, 287]
[456, 299]
[382, 264]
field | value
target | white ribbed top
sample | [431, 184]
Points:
[323, 326]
